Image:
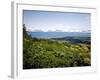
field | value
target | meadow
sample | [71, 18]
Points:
[55, 52]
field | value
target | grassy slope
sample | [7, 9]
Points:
[42, 53]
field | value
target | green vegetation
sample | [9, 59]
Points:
[48, 53]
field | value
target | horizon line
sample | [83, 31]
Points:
[62, 31]
[58, 30]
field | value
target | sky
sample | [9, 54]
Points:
[56, 21]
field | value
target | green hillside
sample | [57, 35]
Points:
[48, 53]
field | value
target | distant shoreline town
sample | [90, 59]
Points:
[37, 30]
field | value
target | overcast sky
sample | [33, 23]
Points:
[53, 21]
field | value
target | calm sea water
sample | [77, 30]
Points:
[57, 34]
